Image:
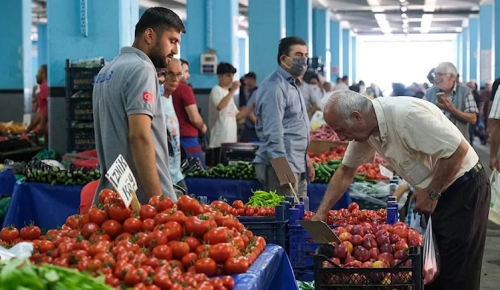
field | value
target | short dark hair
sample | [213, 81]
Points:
[314, 77]
[183, 62]
[251, 75]
[286, 44]
[159, 19]
[225, 68]
[344, 78]
[44, 68]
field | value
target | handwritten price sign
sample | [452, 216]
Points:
[122, 179]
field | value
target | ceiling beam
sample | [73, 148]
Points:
[415, 12]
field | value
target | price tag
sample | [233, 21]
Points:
[385, 172]
[122, 179]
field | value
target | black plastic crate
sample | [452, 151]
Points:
[273, 231]
[81, 111]
[304, 274]
[81, 78]
[81, 140]
[329, 276]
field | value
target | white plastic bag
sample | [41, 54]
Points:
[317, 120]
[20, 251]
[494, 214]
[431, 255]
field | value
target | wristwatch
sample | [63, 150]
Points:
[434, 195]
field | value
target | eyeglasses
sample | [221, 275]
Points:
[173, 75]
[440, 75]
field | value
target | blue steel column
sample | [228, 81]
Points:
[110, 26]
[474, 49]
[354, 40]
[42, 44]
[346, 62]
[212, 24]
[299, 20]
[459, 52]
[16, 59]
[497, 36]
[321, 38]
[486, 45]
[266, 26]
[336, 50]
[464, 77]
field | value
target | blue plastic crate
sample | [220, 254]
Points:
[304, 275]
[301, 247]
[274, 232]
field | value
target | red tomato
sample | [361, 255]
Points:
[237, 204]
[192, 242]
[218, 235]
[236, 265]
[119, 212]
[206, 266]
[45, 246]
[88, 229]
[105, 193]
[97, 216]
[30, 233]
[189, 259]
[174, 230]
[9, 234]
[147, 212]
[82, 220]
[188, 205]
[156, 238]
[176, 216]
[221, 252]
[222, 206]
[99, 247]
[100, 235]
[164, 203]
[72, 221]
[197, 225]
[148, 225]
[161, 218]
[162, 280]
[112, 228]
[179, 249]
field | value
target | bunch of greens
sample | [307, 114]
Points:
[264, 198]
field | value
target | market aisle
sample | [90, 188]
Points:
[491, 259]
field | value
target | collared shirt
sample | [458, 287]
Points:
[495, 107]
[282, 123]
[413, 135]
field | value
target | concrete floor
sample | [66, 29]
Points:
[491, 259]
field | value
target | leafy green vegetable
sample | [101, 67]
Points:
[22, 274]
[264, 198]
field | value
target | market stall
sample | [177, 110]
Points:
[7, 182]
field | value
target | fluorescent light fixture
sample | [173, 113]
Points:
[373, 2]
[406, 20]
[404, 9]
[458, 29]
[382, 22]
[402, 1]
[405, 25]
[429, 5]
[425, 26]
[403, 15]
[380, 17]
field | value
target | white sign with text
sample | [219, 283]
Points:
[122, 179]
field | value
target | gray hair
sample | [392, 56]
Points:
[345, 102]
[449, 68]
[175, 60]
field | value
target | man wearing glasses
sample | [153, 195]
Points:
[169, 81]
[456, 100]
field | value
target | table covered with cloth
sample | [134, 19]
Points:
[272, 270]
[47, 205]
[233, 189]
[7, 182]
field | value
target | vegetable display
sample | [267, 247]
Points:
[372, 171]
[38, 171]
[22, 274]
[324, 133]
[165, 245]
[239, 170]
[264, 198]
[333, 154]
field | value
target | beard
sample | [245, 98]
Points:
[157, 57]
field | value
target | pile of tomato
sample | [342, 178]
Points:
[333, 154]
[165, 245]
[239, 209]
[351, 216]
[372, 171]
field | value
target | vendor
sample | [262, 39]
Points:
[282, 122]
[169, 80]
[128, 117]
[248, 132]
[429, 152]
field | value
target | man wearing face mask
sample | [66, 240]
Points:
[128, 116]
[282, 123]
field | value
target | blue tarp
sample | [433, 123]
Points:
[271, 270]
[7, 182]
[233, 189]
[47, 205]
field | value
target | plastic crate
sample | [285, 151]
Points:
[81, 140]
[304, 275]
[366, 204]
[301, 247]
[274, 231]
[81, 78]
[81, 111]
[396, 278]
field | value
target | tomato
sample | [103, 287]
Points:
[237, 265]
[97, 215]
[177, 286]
[192, 242]
[88, 229]
[174, 230]
[122, 269]
[206, 266]
[123, 237]
[164, 203]
[237, 204]
[205, 286]
[156, 238]
[161, 218]
[221, 206]
[82, 220]
[179, 249]
[176, 216]
[188, 205]
[239, 242]
[30, 233]
[217, 235]
[162, 280]
[249, 212]
[203, 250]
[45, 246]
[147, 212]
[221, 252]
[72, 221]
[189, 259]
[217, 283]
[63, 262]
[176, 264]
[99, 247]
[111, 280]
[100, 235]
[105, 193]
[197, 225]
[228, 282]
[148, 225]
[9, 234]
[112, 228]
[141, 239]
[132, 277]
[105, 258]
[119, 212]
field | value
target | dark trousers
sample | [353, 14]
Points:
[459, 224]
[212, 157]
[248, 135]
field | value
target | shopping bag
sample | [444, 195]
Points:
[431, 255]
[494, 214]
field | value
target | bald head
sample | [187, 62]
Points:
[172, 76]
[350, 115]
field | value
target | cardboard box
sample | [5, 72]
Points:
[318, 147]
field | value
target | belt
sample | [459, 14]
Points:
[469, 174]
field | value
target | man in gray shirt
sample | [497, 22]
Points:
[128, 117]
[282, 123]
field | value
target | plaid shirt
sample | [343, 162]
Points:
[495, 107]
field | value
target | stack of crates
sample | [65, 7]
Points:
[79, 86]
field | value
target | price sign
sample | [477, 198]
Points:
[385, 172]
[122, 179]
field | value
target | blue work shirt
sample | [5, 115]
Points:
[282, 123]
[250, 103]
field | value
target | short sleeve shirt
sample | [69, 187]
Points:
[174, 162]
[495, 107]
[127, 86]
[222, 124]
[41, 98]
[413, 135]
[183, 97]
